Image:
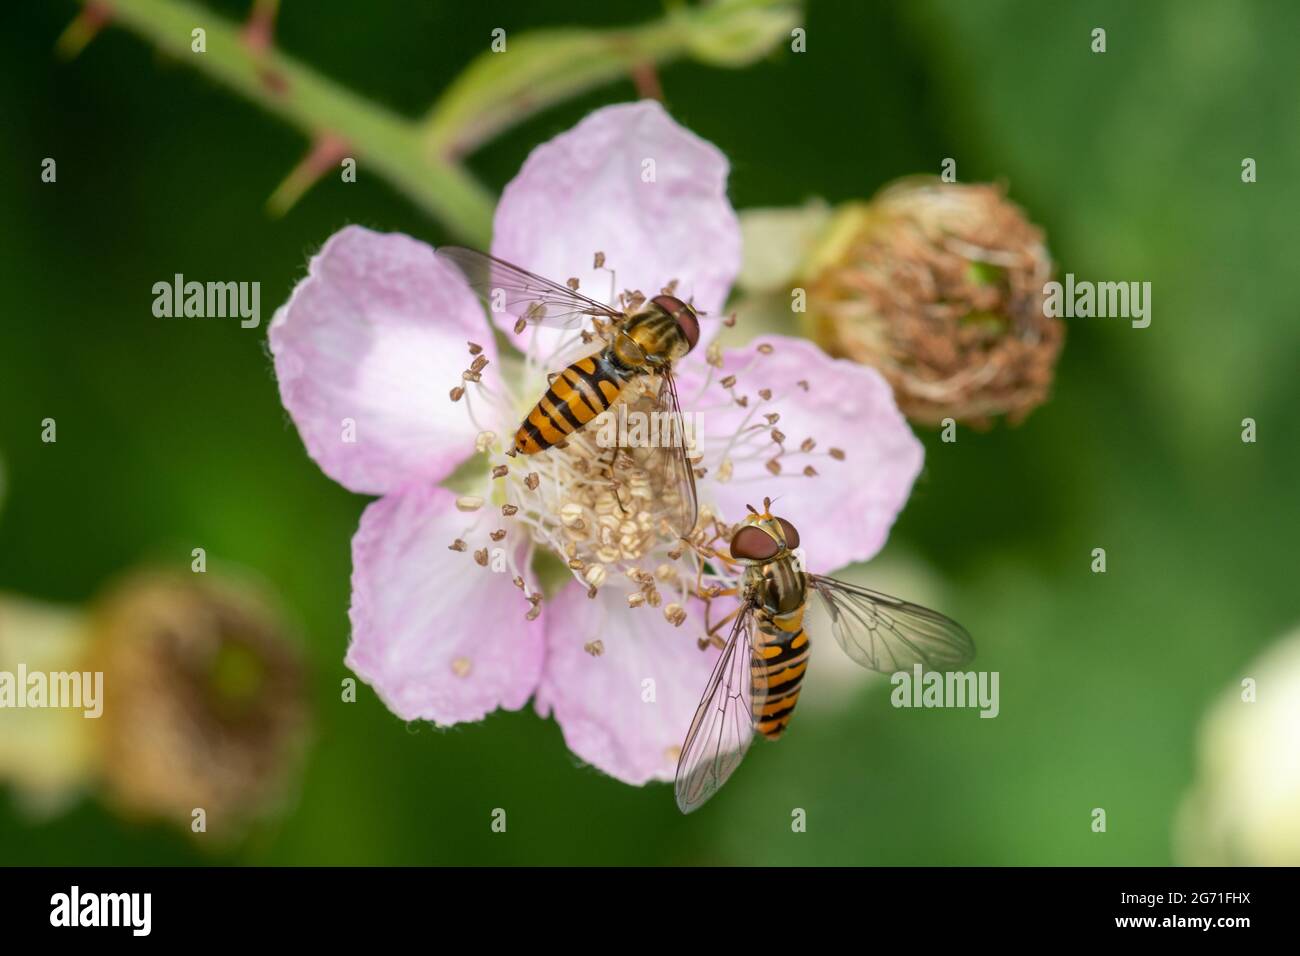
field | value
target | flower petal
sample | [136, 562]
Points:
[845, 512]
[438, 637]
[627, 710]
[630, 182]
[376, 335]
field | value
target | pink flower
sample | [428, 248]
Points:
[371, 341]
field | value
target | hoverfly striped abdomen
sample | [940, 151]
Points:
[576, 395]
[781, 647]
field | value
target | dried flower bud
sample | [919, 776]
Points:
[206, 700]
[940, 287]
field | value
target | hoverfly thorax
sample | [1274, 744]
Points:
[665, 330]
[688, 322]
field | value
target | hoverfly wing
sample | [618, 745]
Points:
[677, 466]
[724, 723]
[888, 634]
[507, 288]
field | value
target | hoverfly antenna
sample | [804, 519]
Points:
[752, 509]
[767, 505]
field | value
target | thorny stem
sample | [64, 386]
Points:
[380, 140]
[419, 157]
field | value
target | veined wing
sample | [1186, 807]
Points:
[888, 634]
[674, 463]
[506, 288]
[724, 724]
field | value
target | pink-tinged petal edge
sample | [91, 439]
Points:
[586, 191]
[601, 702]
[844, 513]
[438, 637]
[376, 336]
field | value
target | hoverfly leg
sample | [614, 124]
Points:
[613, 480]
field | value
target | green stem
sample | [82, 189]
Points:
[382, 141]
[541, 68]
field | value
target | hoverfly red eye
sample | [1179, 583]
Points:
[685, 316]
[791, 534]
[753, 544]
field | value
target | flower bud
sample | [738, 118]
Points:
[205, 701]
[940, 287]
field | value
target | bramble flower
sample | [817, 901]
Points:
[388, 365]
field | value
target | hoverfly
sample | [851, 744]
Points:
[755, 684]
[639, 344]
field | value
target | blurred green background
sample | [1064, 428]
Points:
[172, 435]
